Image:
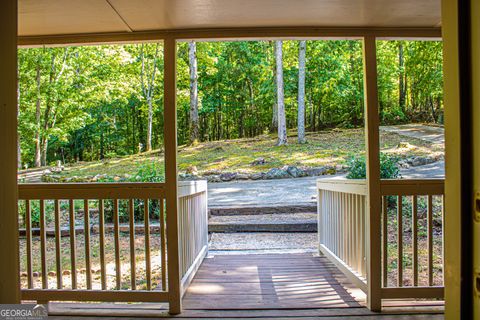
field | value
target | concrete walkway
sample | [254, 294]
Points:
[430, 171]
[301, 191]
[295, 191]
[435, 135]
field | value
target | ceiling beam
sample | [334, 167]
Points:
[232, 34]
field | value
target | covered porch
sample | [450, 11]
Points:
[350, 277]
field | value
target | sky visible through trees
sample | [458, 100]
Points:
[96, 102]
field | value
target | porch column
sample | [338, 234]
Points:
[171, 170]
[9, 275]
[373, 223]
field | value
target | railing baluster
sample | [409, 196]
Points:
[385, 240]
[131, 213]
[73, 265]
[363, 242]
[399, 241]
[342, 224]
[430, 240]
[103, 268]
[328, 221]
[43, 245]
[342, 210]
[86, 234]
[52, 201]
[116, 231]
[353, 240]
[354, 233]
[415, 239]
[357, 234]
[337, 224]
[348, 235]
[147, 246]
[331, 223]
[163, 246]
[28, 230]
[58, 248]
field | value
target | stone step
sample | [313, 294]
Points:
[276, 222]
[259, 210]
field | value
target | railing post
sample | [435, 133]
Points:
[171, 183]
[9, 275]
[373, 227]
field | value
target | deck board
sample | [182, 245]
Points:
[280, 286]
[279, 281]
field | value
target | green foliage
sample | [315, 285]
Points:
[388, 167]
[88, 103]
[149, 172]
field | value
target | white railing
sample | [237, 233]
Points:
[412, 238]
[193, 228]
[106, 241]
[412, 234]
[341, 225]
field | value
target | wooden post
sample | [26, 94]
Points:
[171, 183]
[453, 148]
[9, 274]
[475, 236]
[373, 227]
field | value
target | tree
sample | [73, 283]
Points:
[301, 92]
[94, 102]
[148, 87]
[402, 90]
[282, 125]
[38, 147]
[274, 126]
[54, 90]
[192, 57]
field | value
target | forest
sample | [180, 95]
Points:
[97, 102]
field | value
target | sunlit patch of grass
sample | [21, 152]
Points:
[330, 147]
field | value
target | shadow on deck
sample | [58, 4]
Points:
[273, 281]
[271, 286]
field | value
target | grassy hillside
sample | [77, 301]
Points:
[331, 148]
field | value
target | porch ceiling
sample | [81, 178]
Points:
[69, 17]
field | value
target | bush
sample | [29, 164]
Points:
[393, 116]
[148, 172]
[357, 168]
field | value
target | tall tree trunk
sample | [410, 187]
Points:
[37, 161]
[432, 109]
[301, 92]
[274, 125]
[149, 123]
[401, 77]
[192, 57]
[44, 151]
[148, 88]
[282, 127]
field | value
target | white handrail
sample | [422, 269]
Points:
[342, 212]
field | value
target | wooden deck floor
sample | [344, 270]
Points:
[278, 281]
[279, 286]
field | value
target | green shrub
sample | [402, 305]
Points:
[357, 168]
[393, 116]
[148, 172]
